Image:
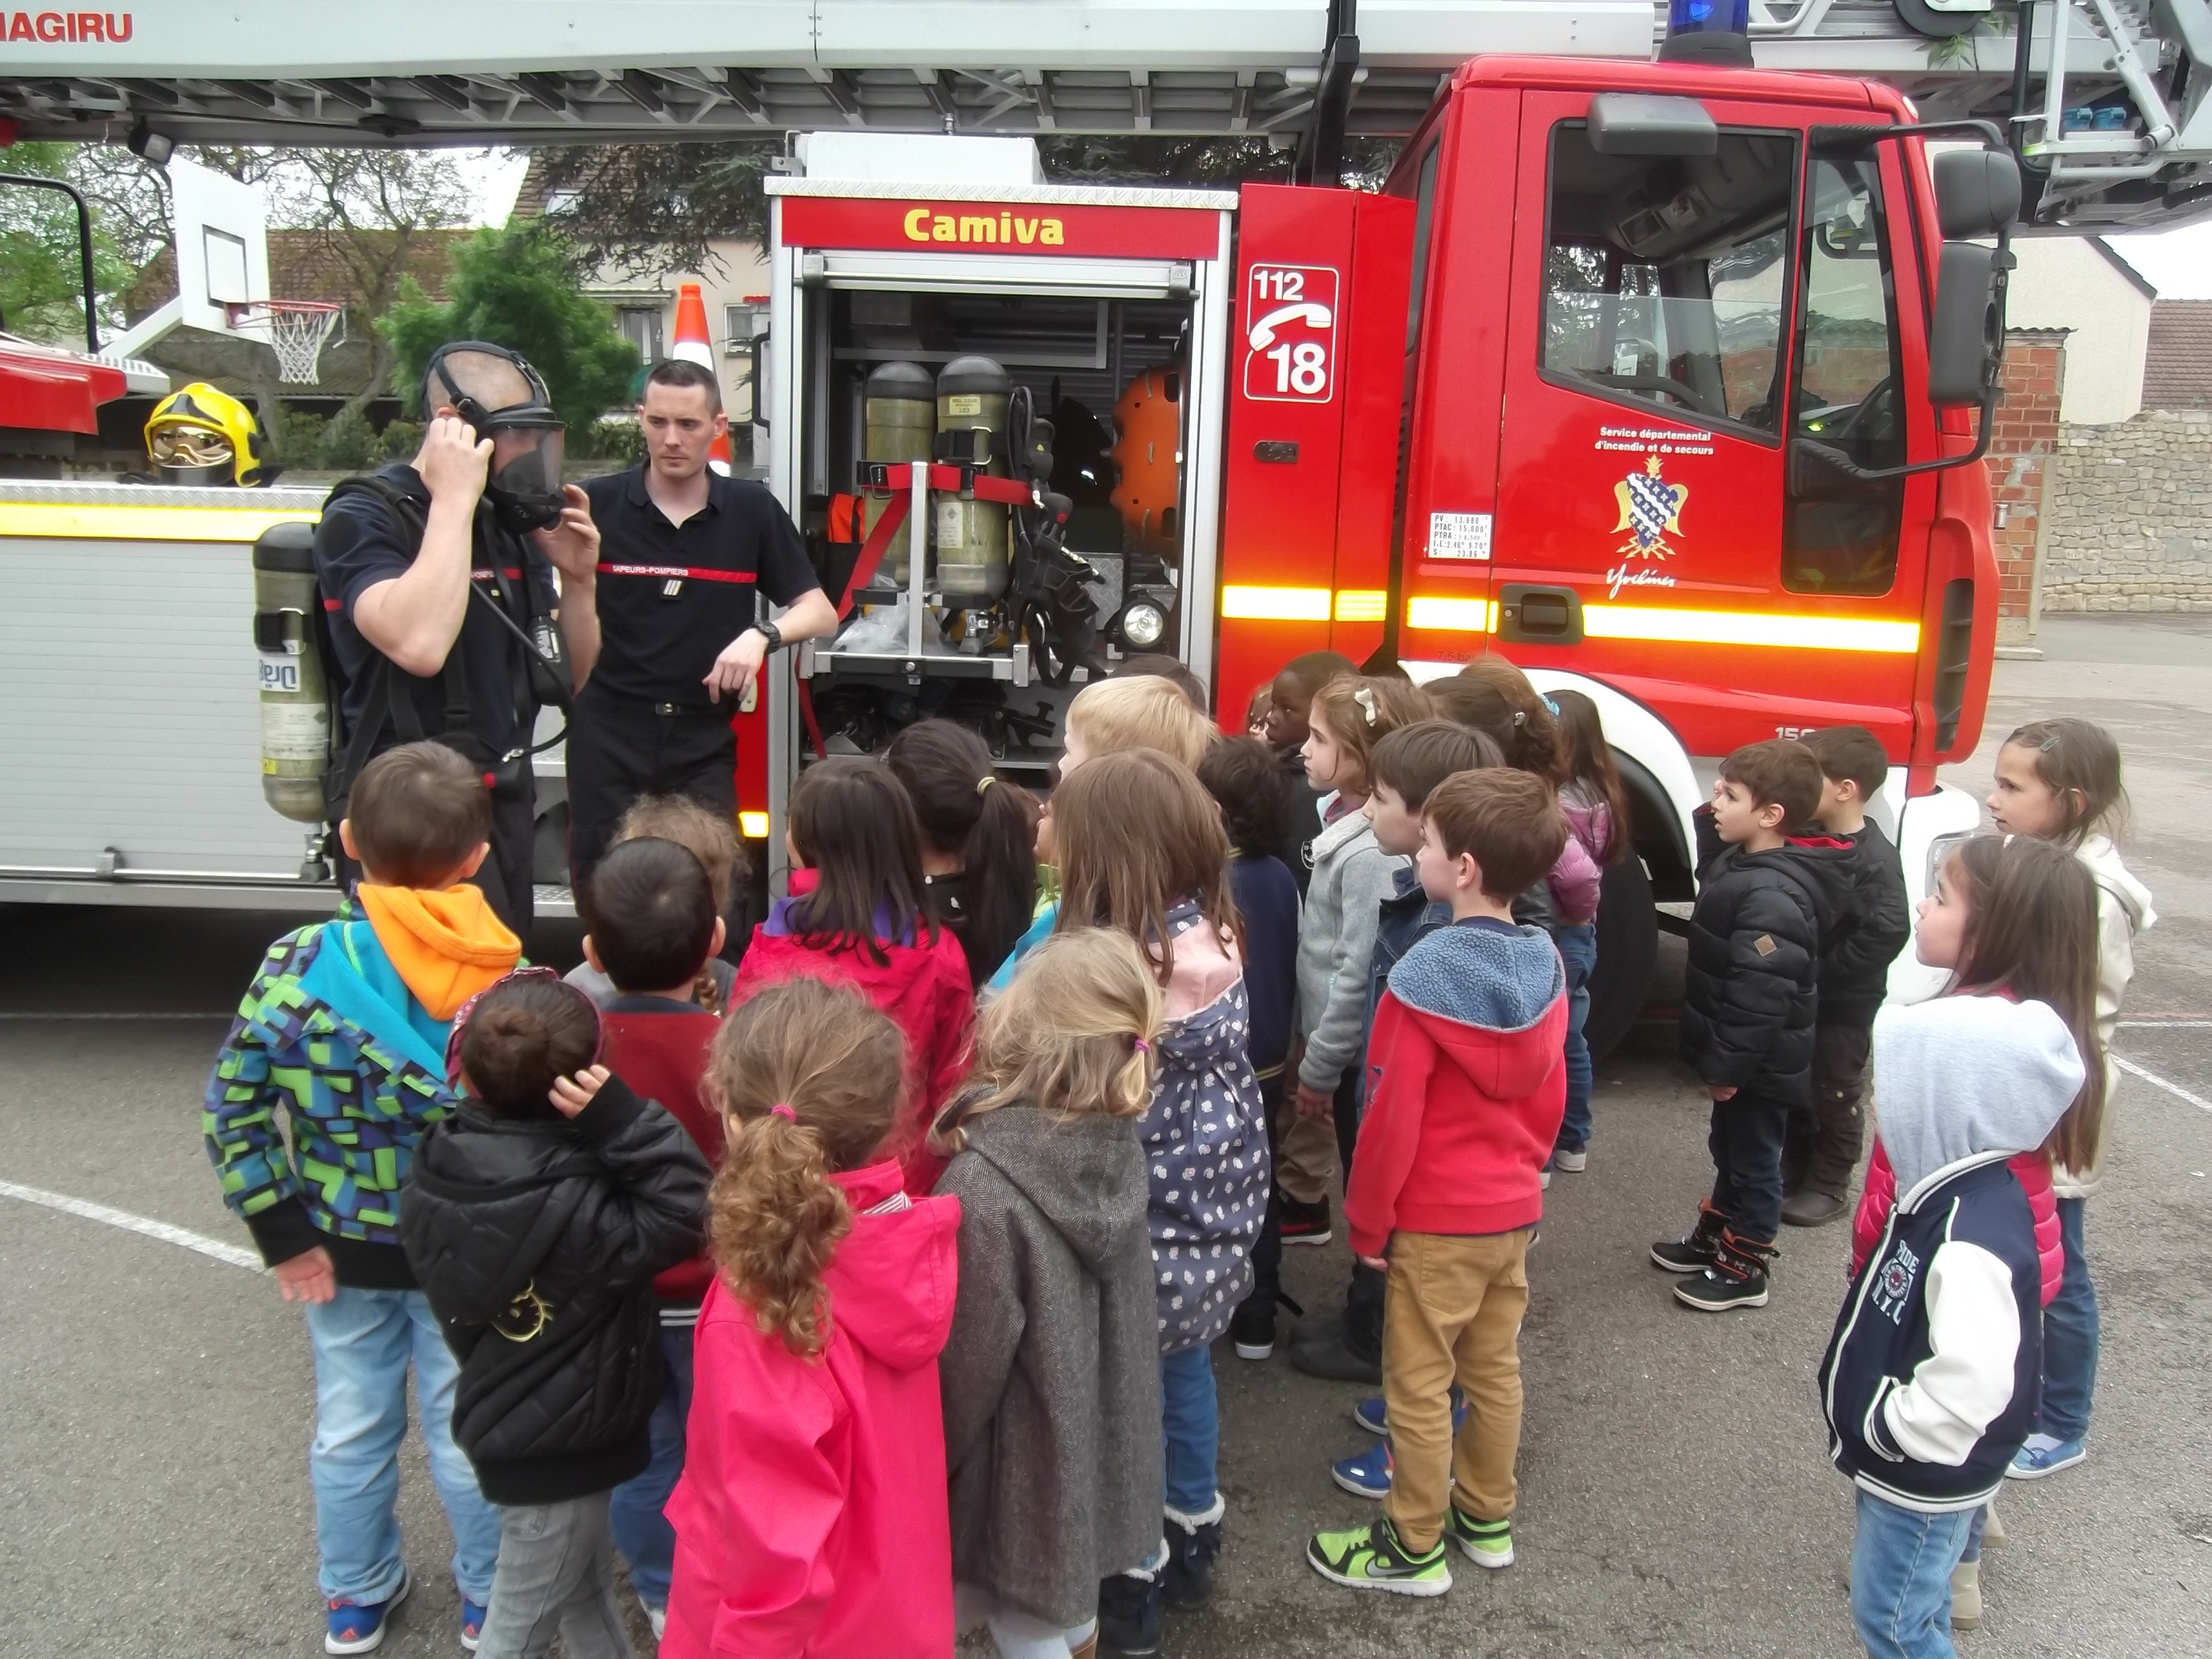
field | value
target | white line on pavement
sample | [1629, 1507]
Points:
[229, 1254]
[2174, 1089]
[2166, 1025]
[33, 1013]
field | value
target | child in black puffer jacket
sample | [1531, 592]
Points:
[536, 1219]
[1749, 996]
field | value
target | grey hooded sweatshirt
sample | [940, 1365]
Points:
[1051, 1377]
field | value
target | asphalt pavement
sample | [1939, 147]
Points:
[156, 1402]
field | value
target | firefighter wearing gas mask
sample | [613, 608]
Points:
[444, 617]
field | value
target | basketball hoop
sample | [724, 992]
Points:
[296, 329]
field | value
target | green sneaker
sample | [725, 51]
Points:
[1485, 1543]
[1371, 1557]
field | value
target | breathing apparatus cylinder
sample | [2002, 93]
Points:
[973, 560]
[897, 424]
[296, 715]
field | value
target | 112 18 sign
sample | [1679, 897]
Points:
[1290, 336]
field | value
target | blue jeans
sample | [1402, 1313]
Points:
[2069, 1336]
[363, 1341]
[1901, 1565]
[1190, 1429]
[1578, 952]
[641, 1532]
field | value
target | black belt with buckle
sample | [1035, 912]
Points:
[666, 708]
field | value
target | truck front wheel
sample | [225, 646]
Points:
[1627, 951]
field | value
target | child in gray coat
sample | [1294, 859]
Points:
[1051, 1375]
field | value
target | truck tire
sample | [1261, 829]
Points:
[1627, 951]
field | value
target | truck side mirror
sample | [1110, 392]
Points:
[1641, 124]
[1966, 332]
[1977, 192]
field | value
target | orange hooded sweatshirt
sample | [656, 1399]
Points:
[445, 946]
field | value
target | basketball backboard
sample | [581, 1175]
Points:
[221, 243]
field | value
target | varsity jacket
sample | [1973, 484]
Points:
[1933, 1376]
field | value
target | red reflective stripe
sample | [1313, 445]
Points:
[512, 575]
[333, 604]
[743, 578]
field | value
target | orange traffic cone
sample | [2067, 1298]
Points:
[694, 345]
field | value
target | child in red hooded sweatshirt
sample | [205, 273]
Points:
[857, 915]
[811, 1517]
[1466, 1085]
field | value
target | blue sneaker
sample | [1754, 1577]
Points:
[472, 1622]
[1371, 1416]
[2043, 1455]
[1367, 1476]
[352, 1627]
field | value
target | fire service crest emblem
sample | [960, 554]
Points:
[1651, 511]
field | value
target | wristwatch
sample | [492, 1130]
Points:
[773, 634]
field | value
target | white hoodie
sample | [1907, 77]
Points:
[2122, 911]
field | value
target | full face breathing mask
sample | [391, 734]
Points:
[528, 440]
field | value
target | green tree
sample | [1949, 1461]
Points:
[518, 287]
[41, 278]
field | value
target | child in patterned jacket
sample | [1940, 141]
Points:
[343, 1032]
[1142, 850]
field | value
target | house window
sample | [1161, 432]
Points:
[642, 327]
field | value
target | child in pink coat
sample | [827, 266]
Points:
[810, 1518]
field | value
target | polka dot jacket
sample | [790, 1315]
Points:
[1206, 1153]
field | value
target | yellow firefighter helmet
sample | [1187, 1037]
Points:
[201, 435]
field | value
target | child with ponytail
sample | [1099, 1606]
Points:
[1930, 1381]
[1350, 878]
[811, 1516]
[858, 916]
[978, 863]
[1051, 1377]
[2059, 781]
[1142, 851]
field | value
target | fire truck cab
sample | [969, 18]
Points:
[1654, 378]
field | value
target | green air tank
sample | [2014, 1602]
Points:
[899, 418]
[296, 715]
[971, 536]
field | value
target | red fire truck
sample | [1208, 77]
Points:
[1655, 379]
[1659, 379]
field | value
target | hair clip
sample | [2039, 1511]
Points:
[1553, 706]
[2048, 744]
[1365, 696]
[1520, 717]
[986, 781]
[782, 1109]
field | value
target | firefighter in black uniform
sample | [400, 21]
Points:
[683, 553]
[438, 582]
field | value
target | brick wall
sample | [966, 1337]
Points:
[2019, 452]
[2132, 516]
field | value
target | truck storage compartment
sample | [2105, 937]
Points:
[1049, 432]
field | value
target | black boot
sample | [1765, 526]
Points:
[1129, 1614]
[1194, 1540]
[1692, 1255]
[1737, 1278]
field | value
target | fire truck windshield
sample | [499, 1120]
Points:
[1664, 279]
